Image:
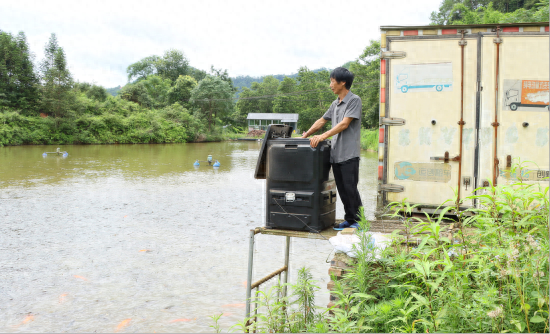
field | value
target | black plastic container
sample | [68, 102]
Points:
[300, 187]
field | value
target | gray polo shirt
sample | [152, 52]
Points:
[345, 145]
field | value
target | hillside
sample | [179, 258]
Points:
[114, 91]
[246, 81]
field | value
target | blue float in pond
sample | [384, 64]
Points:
[196, 163]
[217, 164]
[65, 155]
[44, 154]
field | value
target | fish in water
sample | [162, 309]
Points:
[27, 319]
[183, 320]
[122, 324]
[62, 298]
[82, 278]
[234, 305]
[145, 250]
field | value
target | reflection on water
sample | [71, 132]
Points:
[134, 238]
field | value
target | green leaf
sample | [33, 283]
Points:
[363, 295]
[537, 319]
[421, 299]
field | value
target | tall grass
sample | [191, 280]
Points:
[489, 276]
[369, 139]
[115, 121]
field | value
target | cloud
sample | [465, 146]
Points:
[102, 38]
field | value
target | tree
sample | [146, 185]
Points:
[197, 74]
[181, 90]
[267, 89]
[222, 74]
[481, 11]
[57, 80]
[285, 102]
[367, 83]
[97, 93]
[137, 93]
[213, 96]
[143, 68]
[315, 97]
[245, 105]
[157, 89]
[487, 15]
[18, 82]
[170, 66]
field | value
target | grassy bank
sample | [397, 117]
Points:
[489, 275]
[369, 139]
[121, 123]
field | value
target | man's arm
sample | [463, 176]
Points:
[315, 140]
[315, 127]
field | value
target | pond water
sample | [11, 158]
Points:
[133, 238]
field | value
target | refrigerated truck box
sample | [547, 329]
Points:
[459, 105]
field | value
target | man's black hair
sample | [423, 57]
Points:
[342, 74]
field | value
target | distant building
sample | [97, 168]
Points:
[260, 121]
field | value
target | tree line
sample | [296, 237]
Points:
[168, 100]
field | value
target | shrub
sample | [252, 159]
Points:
[489, 276]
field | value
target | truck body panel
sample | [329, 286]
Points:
[525, 143]
[443, 87]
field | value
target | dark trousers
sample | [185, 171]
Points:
[346, 175]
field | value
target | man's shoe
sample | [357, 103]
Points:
[356, 225]
[342, 226]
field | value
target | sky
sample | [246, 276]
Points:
[101, 38]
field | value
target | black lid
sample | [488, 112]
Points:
[273, 131]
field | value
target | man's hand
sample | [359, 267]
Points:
[315, 140]
[304, 134]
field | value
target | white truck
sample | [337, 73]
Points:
[458, 106]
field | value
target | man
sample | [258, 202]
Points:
[345, 114]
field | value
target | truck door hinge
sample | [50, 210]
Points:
[392, 188]
[392, 121]
[392, 54]
[497, 40]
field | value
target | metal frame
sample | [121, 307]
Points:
[326, 234]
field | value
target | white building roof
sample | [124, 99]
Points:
[274, 116]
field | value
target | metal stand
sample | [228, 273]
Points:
[326, 234]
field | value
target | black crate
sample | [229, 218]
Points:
[300, 187]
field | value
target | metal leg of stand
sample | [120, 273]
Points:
[287, 251]
[249, 277]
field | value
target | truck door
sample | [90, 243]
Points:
[423, 158]
[520, 104]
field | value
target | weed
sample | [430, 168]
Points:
[489, 275]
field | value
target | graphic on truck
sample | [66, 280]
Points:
[424, 77]
[526, 94]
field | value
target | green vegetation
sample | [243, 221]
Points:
[166, 100]
[109, 122]
[369, 139]
[489, 276]
[114, 91]
[47, 105]
[485, 11]
[246, 81]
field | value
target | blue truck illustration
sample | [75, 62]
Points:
[424, 77]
